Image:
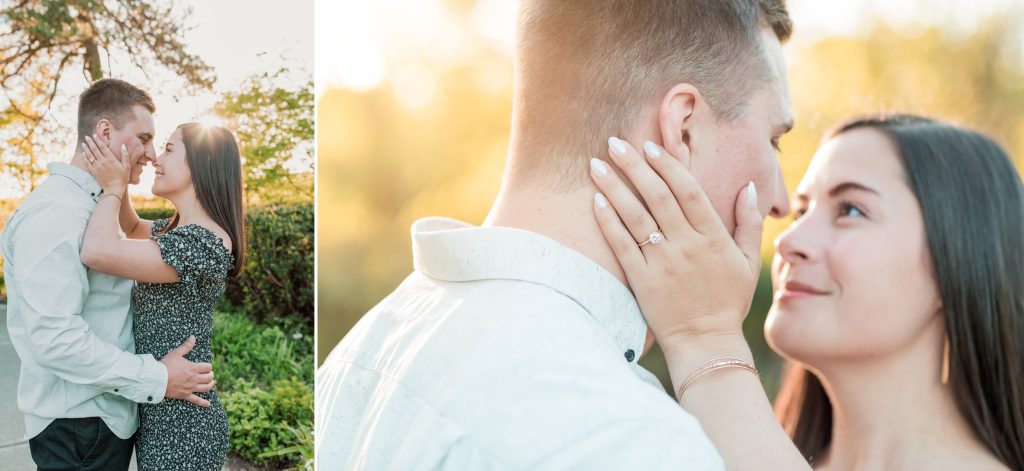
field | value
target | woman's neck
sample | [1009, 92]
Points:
[189, 210]
[894, 413]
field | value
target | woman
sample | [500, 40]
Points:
[181, 265]
[899, 302]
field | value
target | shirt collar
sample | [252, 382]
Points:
[451, 250]
[80, 177]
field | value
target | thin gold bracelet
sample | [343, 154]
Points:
[115, 196]
[716, 364]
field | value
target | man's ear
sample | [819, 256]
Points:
[103, 128]
[677, 119]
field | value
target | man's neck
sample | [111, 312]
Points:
[78, 160]
[568, 218]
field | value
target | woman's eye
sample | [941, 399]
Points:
[849, 210]
[799, 213]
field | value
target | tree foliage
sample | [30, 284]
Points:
[41, 40]
[275, 129]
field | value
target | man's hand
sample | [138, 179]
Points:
[185, 378]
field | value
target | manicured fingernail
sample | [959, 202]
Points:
[752, 194]
[191, 338]
[652, 150]
[618, 146]
[598, 166]
[600, 200]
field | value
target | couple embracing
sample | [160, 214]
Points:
[112, 315]
[641, 165]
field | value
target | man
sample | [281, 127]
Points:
[515, 345]
[71, 326]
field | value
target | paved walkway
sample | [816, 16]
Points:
[13, 446]
[14, 452]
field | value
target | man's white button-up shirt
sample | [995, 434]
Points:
[502, 350]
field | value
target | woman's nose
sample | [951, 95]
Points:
[796, 244]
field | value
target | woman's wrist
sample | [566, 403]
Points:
[116, 190]
[685, 355]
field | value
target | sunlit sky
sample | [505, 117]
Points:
[367, 43]
[237, 38]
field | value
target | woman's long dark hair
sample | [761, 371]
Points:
[216, 165]
[973, 205]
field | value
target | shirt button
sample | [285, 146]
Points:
[115, 390]
[150, 398]
[630, 355]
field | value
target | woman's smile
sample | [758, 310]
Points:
[792, 290]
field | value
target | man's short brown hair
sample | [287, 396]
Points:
[110, 99]
[586, 67]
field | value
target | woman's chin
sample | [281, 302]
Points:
[789, 335]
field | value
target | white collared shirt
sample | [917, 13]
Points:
[71, 327]
[502, 350]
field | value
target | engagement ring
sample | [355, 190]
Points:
[654, 239]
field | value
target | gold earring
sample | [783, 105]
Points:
[945, 361]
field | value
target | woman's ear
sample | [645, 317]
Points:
[676, 119]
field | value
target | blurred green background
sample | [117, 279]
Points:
[414, 122]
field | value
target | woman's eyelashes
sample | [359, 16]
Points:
[848, 209]
[799, 212]
[844, 209]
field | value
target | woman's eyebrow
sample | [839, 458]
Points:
[850, 186]
[836, 190]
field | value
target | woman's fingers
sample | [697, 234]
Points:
[690, 196]
[634, 215]
[94, 150]
[108, 169]
[626, 251]
[101, 148]
[124, 155]
[88, 157]
[651, 187]
[749, 226]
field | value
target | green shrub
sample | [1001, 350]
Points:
[154, 214]
[302, 452]
[264, 421]
[278, 276]
[265, 377]
[244, 351]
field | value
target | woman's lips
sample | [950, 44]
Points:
[793, 290]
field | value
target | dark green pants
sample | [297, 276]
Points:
[84, 444]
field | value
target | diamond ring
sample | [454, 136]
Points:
[654, 239]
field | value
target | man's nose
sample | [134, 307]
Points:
[150, 154]
[780, 199]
